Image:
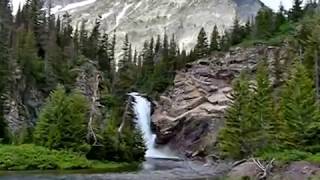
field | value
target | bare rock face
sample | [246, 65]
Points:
[22, 103]
[189, 115]
[299, 171]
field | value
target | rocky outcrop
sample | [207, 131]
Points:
[22, 103]
[189, 115]
[300, 170]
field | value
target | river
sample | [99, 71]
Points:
[152, 169]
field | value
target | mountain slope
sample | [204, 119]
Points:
[142, 19]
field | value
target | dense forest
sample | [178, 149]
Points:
[47, 53]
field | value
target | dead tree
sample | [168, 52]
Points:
[125, 114]
[93, 108]
[265, 169]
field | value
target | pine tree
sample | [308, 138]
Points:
[135, 57]
[124, 61]
[263, 110]
[298, 107]
[173, 50]
[225, 42]
[27, 58]
[147, 59]
[236, 32]
[165, 51]
[264, 24]
[214, 43]
[158, 45]
[202, 46]
[93, 43]
[248, 28]
[62, 122]
[280, 18]
[231, 140]
[126, 75]
[5, 31]
[54, 67]
[103, 57]
[83, 38]
[296, 12]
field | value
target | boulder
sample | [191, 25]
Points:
[245, 170]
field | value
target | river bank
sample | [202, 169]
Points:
[32, 157]
[152, 169]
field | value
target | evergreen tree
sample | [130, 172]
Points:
[126, 75]
[93, 43]
[173, 51]
[5, 30]
[214, 43]
[225, 42]
[31, 64]
[54, 64]
[298, 107]
[231, 139]
[147, 59]
[264, 119]
[124, 61]
[158, 45]
[83, 38]
[280, 18]
[104, 57]
[202, 46]
[135, 57]
[264, 24]
[236, 32]
[165, 51]
[248, 28]
[62, 122]
[296, 12]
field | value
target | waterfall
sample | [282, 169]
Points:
[142, 110]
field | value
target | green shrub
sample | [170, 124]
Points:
[286, 155]
[30, 157]
[315, 158]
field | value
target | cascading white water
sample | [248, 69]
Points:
[142, 109]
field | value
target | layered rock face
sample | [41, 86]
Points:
[142, 19]
[189, 115]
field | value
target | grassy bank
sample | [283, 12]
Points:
[31, 157]
[288, 156]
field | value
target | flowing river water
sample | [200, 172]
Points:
[161, 163]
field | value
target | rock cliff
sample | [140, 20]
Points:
[189, 114]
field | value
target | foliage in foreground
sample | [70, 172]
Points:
[28, 157]
[32, 157]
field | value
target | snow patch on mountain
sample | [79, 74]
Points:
[77, 5]
[122, 13]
